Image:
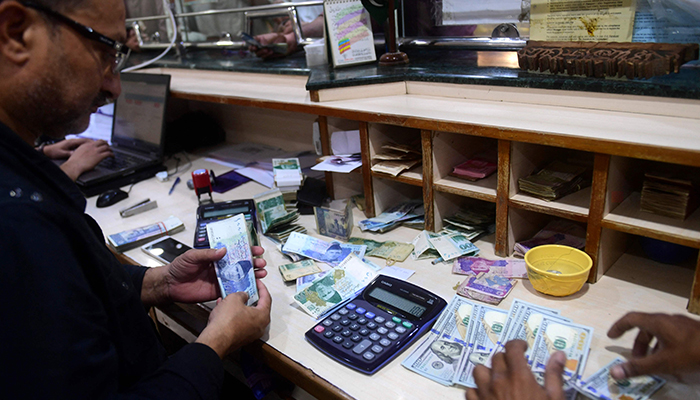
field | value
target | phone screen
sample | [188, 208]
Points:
[167, 249]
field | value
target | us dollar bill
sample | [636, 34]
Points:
[234, 271]
[602, 386]
[488, 327]
[439, 355]
[336, 286]
[556, 335]
[298, 269]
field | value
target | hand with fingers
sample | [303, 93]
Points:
[510, 377]
[677, 347]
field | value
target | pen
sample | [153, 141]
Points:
[177, 180]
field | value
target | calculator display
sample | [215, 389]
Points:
[397, 302]
[224, 211]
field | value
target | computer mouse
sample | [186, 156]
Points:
[110, 197]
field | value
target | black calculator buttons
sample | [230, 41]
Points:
[346, 333]
[364, 332]
[337, 328]
[379, 320]
[377, 349]
[360, 310]
[392, 335]
[348, 345]
[371, 325]
[345, 322]
[338, 339]
[390, 325]
[362, 321]
[382, 330]
[353, 316]
[374, 336]
[385, 342]
[336, 317]
[355, 327]
[362, 346]
[356, 338]
[400, 329]
[329, 334]
[327, 322]
[370, 315]
[368, 356]
[343, 311]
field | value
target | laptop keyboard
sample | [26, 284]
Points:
[119, 161]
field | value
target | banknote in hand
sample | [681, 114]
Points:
[601, 385]
[234, 271]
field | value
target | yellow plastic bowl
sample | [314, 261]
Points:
[557, 270]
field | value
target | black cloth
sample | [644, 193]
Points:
[73, 325]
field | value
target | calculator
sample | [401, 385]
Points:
[207, 213]
[377, 325]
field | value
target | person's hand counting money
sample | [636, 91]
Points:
[677, 346]
[510, 377]
[190, 278]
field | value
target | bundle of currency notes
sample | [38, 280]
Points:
[287, 172]
[235, 271]
[487, 287]
[335, 286]
[389, 250]
[556, 180]
[507, 268]
[453, 245]
[131, 238]
[395, 158]
[472, 222]
[275, 220]
[474, 169]
[331, 253]
[560, 231]
[393, 217]
[335, 220]
[669, 195]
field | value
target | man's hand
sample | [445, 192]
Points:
[84, 157]
[190, 278]
[510, 377]
[232, 324]
[677, 347]
[273, 37]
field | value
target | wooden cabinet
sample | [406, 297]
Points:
[618, 142]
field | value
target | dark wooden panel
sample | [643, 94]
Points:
[599, 185]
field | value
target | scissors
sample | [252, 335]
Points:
[346, 159]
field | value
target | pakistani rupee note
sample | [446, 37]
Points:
[296, 270]
[453, 246]
[507, 268]
[331, 253]
[235, 271]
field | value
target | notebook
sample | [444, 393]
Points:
[137, 138]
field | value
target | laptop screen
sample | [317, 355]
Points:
[139, 113]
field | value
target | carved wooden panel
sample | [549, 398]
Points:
[631, 60]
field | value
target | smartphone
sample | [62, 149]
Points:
[280, 48]
[165, 249]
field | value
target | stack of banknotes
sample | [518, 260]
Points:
[472, 222]
[395, 158]
[556, 180]
[332, 253]
[333, 287]
[394, 217]
[489, 281]
[560, 231]
[390, 251]
[335, 220]
[669, 195]
[131, 238]
[474, 169]
[275, 221]
[235, 271]
[287, 173]
[467, 334]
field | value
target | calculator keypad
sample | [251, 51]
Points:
[365, 334]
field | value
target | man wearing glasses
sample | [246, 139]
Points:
[74, 319]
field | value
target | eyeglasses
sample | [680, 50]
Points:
[122, 51]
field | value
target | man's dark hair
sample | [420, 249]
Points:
[58, 5]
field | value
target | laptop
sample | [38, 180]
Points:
[138, 131]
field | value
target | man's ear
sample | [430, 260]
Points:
[18, 30]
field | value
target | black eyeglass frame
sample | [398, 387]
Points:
[121, 54]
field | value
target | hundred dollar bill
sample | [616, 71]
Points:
[453, 246]
[526, 325]
[331, 253]
[438, 356]
[556, 335]
[602, 386]
[271, 210]
[507, 268]
[295, 270]
[422, 248]
[339, 284]
[488, 327]
[235, 271]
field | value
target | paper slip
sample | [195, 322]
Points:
[296, 270]
[438, 356]
[556, 335]
[341, 164]
[453, 246]
[235, 271]
[507, 268]
[602, 386]
[331, 253]
[339, 284]
[396, 272]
